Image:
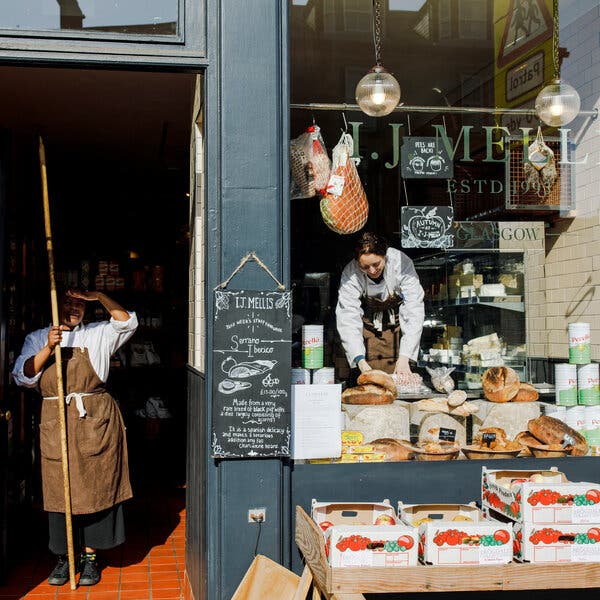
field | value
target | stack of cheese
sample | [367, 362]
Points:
[484, 351]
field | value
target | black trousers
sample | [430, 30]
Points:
[101, 530]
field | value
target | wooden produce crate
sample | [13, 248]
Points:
[348, 583]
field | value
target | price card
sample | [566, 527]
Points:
[446, 434]
[487, 439]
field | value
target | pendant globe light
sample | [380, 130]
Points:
[558, 103]
[378, 92]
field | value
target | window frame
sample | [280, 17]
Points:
[189, 43]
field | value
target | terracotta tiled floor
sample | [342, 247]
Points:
[149, 566]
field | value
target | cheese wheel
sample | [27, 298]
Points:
[380, 378]
[367, 394]
[500, 384]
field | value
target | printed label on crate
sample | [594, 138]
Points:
[586, 514]
[584, 553]
[493, 555]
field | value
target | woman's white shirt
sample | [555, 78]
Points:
[399, 276]
[102, 339]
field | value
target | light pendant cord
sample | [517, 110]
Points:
[555, 49]
[377, 30]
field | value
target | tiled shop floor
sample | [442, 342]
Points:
[149, 566]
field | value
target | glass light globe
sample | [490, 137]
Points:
[557, 104]
[378, 92]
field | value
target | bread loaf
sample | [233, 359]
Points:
[367, 394]
[380, 378]
[500, 384]
[393, 449]
[553, 431]
[465, 409]
[433, 405]
[526, 393]
[456, 398]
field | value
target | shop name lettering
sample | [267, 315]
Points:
[464, 138]
[257, 302]
[519, 234]
[495, 142]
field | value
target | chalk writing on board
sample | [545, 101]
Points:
[251, 374]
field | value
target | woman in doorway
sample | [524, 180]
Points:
[97, 446]
[380, 297]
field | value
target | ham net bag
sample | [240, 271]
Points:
[344, 207]
[309, 163]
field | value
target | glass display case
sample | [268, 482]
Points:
[474, 312]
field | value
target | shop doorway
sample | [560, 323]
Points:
[118, 160]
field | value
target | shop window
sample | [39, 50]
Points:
[145, 17]
[355, 16]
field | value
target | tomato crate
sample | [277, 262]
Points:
[540, 497]
[365, 534]
[458, 534]
[557, 543]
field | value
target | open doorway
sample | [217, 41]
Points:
[118, 162]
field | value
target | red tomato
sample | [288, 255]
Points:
[385, 520]
[516, 547]
[325, 525]
[502, 535]
[594, 533]
[406, 541]
[593, 495]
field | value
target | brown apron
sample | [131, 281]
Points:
[381, 347]
[97, 446]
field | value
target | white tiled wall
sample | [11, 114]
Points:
[568, 283]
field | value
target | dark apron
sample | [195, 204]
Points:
[97, 446]
[381, 347]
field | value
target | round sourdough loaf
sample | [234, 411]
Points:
[526, 393]
[553, 431]
[378, 377]
[500, 384]
[367, 394]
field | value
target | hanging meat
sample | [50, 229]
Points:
[344, 207]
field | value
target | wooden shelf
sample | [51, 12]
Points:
[351, 583]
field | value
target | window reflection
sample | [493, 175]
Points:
[145, 17]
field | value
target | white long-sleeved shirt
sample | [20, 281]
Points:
[102, 339]
[400, 277]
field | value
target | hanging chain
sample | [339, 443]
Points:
[377, 30]
[555, 49]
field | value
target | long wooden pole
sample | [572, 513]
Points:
[59, 376]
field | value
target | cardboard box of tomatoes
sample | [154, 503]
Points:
[458, 534]
[557, 543]
[540, 497]
[365, 534]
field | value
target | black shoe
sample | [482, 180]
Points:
[60, 573]
[90, 573]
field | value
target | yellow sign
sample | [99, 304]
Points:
[523, 51]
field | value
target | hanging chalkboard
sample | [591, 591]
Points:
[426, 227]
[425, 158]
[251, 374]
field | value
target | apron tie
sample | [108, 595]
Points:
[78, 401]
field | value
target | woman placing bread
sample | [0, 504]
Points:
[380, 298]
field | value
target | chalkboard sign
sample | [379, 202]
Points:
[425, 158]
[251, 374]
[426, 227]
[447, 435]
